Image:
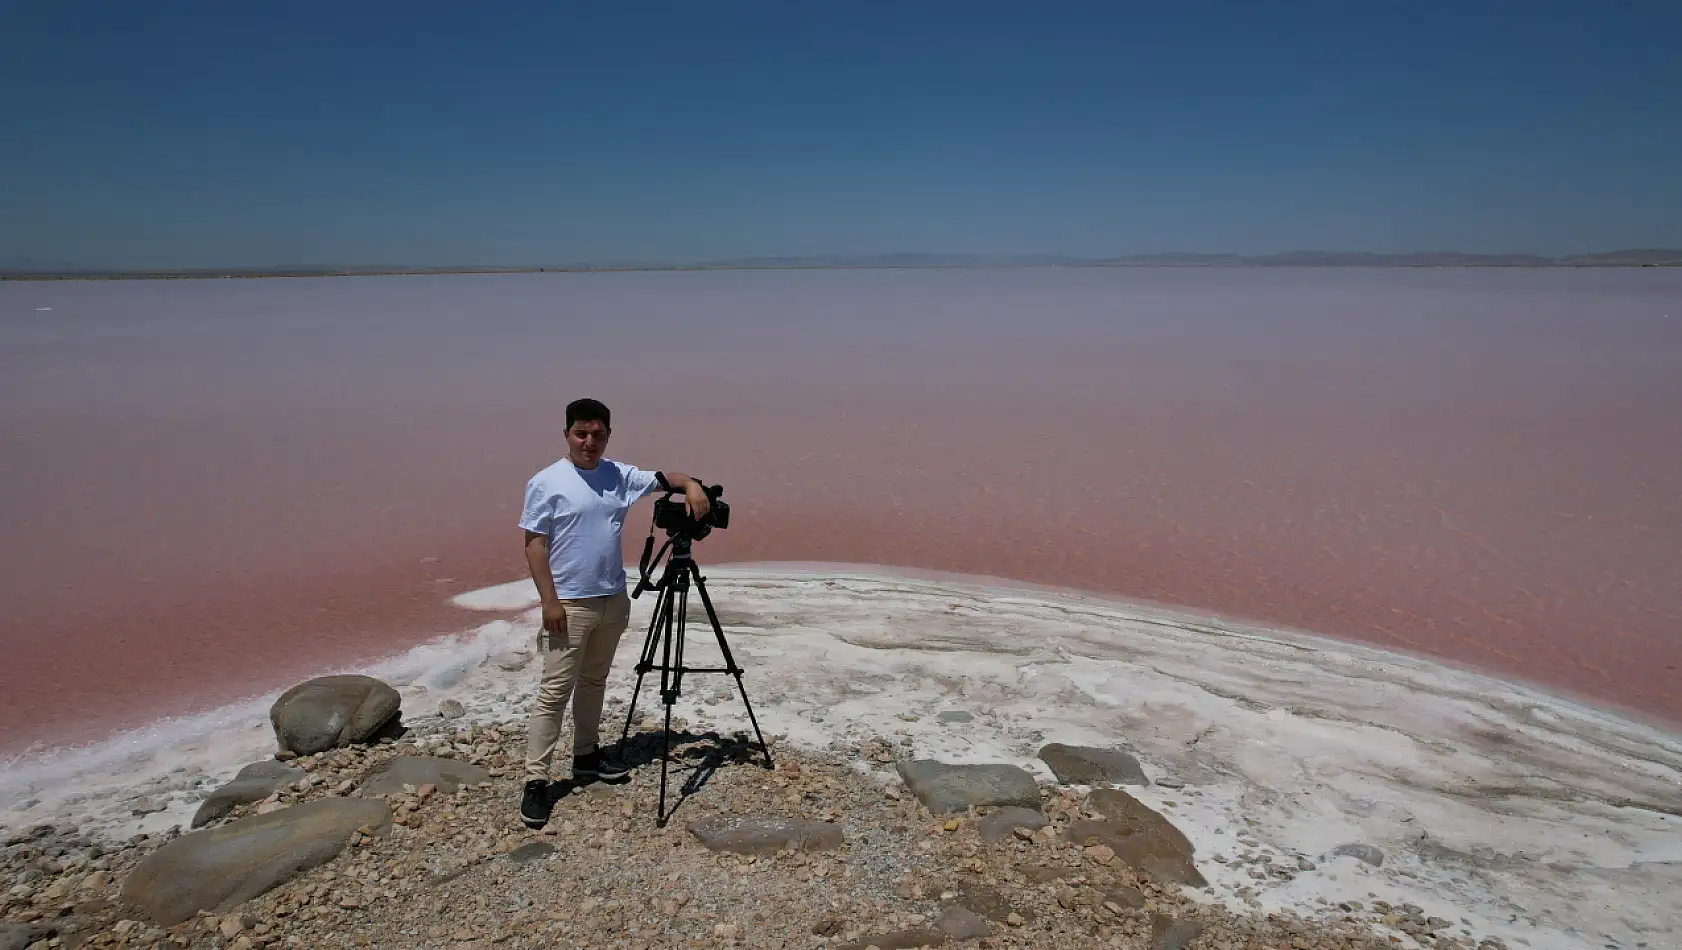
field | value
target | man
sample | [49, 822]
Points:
[574, 511]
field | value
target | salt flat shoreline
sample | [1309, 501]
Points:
[1236, 625]
[1531, 817]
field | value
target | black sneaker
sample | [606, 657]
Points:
[598, 764]
[534, 804]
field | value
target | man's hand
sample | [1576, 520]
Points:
[537, 560]
[695, 500]
[555, 621]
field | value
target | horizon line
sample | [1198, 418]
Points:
[1626, 257]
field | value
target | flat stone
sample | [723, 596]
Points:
[1361, 852]
[961, 923]
[20, 936]
[946, 788]
[1169, 934]
[1150, 852]
[898, 940]
[1085, 765]
[331, 711]
[1127, 898]
[510, 660]
[987, 901]
[1118, 806]
[448, 775]
[765, 835]
[220, 868]
[95, 883]
[253, 783]
[1041, 873]
[998, 825]
[531, 851]
[955, 715]
[1140, 837]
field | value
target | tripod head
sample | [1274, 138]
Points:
[678, 544]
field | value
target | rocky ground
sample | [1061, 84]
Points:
[839, 858]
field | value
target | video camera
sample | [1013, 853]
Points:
[672, 515]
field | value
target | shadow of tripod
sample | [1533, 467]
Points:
[662, 650]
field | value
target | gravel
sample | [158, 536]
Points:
[458, 870]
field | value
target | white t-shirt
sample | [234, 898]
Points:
[582, 512]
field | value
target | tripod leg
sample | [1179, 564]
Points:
[729, 659]
[675, 622]
[665, 762]
[682, 622]
[645, 662]
[668, 692]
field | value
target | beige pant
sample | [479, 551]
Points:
[594, 625]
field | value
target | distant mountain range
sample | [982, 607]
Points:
[1635, 257]
[1640, 257]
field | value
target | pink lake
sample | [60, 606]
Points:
[214, 487]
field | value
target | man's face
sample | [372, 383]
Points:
[586, 440]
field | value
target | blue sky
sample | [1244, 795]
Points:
[164, 134]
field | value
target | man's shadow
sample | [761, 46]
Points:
[700, 753]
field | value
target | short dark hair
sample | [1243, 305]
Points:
[589, 410]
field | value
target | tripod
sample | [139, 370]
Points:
[665, 641]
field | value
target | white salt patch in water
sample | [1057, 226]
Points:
[1533, 818]
[500, 597]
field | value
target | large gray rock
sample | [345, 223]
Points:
[221, 868]
[1085, 765]
[447, 775]
[946, 788]
[1001, 824]
[1141, 838]
[254, 783]
[765, 835]
[332, 711]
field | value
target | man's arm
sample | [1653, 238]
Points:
[693, 494]
[537, 561]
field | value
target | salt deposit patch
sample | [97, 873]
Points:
[1523, 815]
